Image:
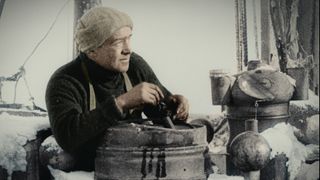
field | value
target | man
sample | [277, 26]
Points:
[106, 84]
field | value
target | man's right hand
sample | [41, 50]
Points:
[141, 94]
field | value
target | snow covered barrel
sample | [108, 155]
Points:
[134, 151]
[261, 94]
[21, 133]
[31, 171]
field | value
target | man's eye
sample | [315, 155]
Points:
[117, 42]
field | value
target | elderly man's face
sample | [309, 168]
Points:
[115, 52]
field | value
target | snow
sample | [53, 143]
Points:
[309, 171]
[26, 109]
[51, 144]
[282, 140]
[220, 138]
[313, 101]
[218, 150]
[224, 177]
[83, 175]
[15, 131]
[78, 175]
[312, 129]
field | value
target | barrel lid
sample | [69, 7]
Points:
[137, 135]
[264, 84]
[256, 87]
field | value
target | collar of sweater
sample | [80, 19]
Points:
[97, 73]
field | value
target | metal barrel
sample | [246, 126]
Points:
[268, 115]
[148, 152]
[138, 163]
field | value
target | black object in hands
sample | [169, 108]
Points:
[166, 114]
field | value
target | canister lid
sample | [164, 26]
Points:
[256, 87]
[265, 84]
[215, 72]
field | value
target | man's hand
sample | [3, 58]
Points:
[182, 106]
[143, 93]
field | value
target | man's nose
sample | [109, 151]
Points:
[126, 48]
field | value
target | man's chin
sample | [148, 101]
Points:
[124, 69]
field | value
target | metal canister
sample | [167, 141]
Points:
[220, 87]
[138, 152]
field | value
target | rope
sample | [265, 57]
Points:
[244, 31]
[28, 88]
[45, 36]
[21, 72]
[256, 105]
[239, 57]
[241, 33]
[255, 28]
[15, 91]
[16, 77]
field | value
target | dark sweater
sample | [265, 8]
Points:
[78, 130]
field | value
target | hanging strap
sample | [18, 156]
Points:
[92, 95]
[127, 81]
[128, 85]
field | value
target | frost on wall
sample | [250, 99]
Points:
[15, 132]
[282, 140]
[79, 175]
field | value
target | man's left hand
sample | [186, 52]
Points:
[182, 103]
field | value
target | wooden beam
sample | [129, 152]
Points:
[265, 31]
[316, 49]
[1, 6]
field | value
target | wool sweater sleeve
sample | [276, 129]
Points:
[147, 74]
[73, 125]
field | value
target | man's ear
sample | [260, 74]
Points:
[92, 54]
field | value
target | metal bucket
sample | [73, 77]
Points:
[146, 152]
[220, 87]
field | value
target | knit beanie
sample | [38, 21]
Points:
[97, 25]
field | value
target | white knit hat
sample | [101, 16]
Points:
[97, 25]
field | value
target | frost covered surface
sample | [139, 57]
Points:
[313, 101]
[221, 128]
[224, 177]
[83, 175]
[15, 131]
[282, 140]
[78, 175]
[51, 144]
[309, 171]
[26, 109]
